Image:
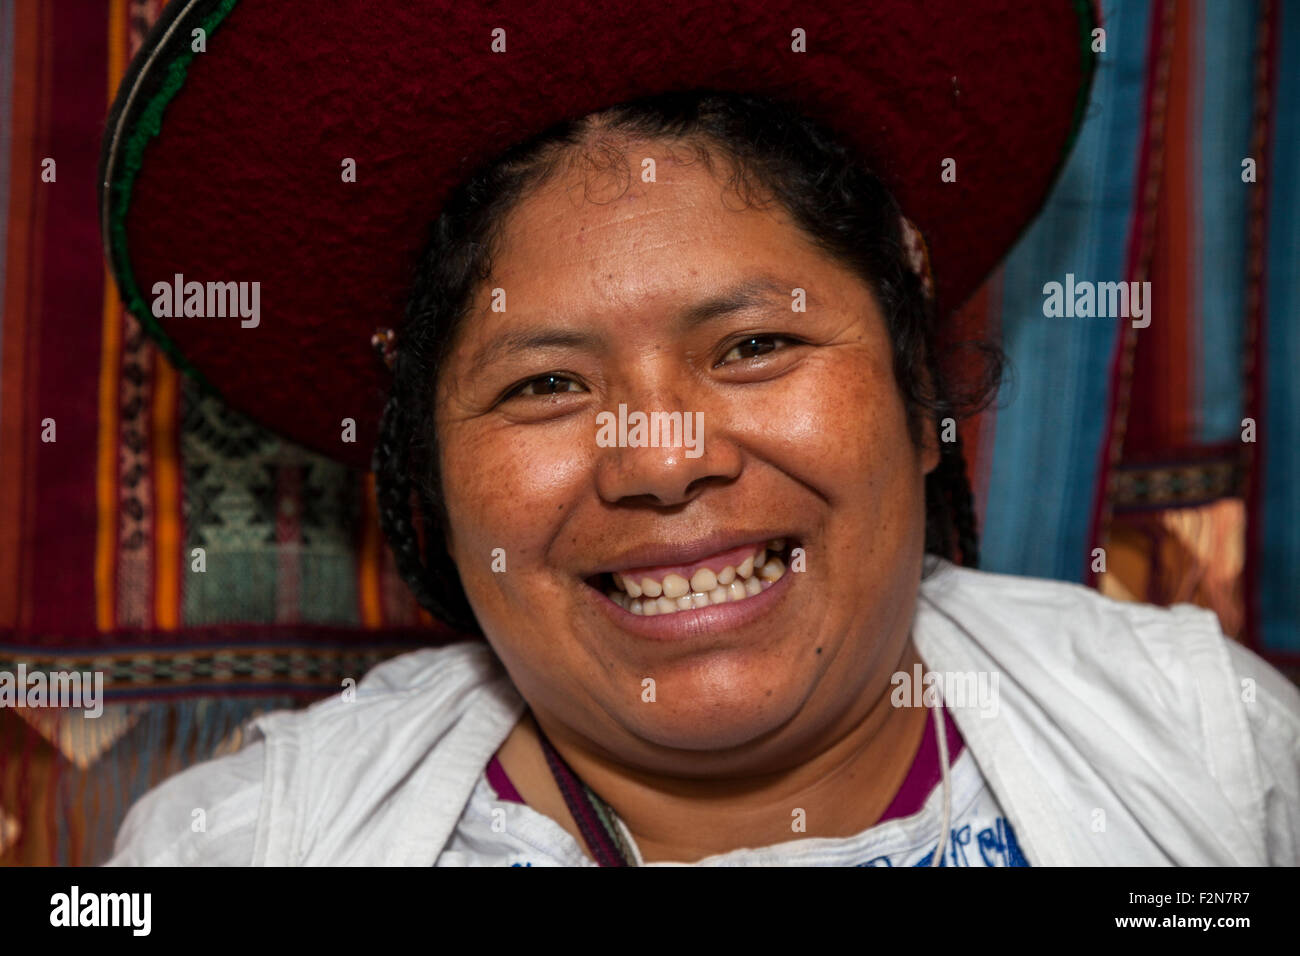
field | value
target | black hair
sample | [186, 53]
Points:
[776, 154]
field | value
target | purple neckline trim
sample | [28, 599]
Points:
[922, 777]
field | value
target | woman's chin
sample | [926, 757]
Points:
[714, 718]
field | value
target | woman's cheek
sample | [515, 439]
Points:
[512, 489]
[831, 423]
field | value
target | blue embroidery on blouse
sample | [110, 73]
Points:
[997, 847]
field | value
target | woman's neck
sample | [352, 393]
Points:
[842, 789]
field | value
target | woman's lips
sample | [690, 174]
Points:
[703, 574]
[740, 574]
[682, 624]
[713, 592]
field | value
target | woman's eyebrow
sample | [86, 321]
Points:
[524, 340]
[744, 295]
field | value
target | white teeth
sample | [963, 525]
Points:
[738, 590]
[703, 580]
[706, 587]
[675, 586]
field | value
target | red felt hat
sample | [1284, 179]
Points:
[227, 164]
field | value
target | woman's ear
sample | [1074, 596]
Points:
[930, 428]
[930, 448]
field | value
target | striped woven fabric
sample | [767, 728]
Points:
[1171, 447]
[210, 570]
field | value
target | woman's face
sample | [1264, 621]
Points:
[675, 297]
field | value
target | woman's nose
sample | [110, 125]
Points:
[663, 454]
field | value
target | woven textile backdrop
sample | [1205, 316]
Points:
[1105, 436]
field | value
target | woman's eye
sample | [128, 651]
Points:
[546, 385]
[753, 347]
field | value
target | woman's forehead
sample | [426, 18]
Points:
[621, 234]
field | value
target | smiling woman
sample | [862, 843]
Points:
[677, 294]
[683, 643]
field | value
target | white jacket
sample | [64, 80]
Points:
[1124, 734]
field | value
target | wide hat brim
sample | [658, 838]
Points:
[226, 165]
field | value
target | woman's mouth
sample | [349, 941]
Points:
[732, 576]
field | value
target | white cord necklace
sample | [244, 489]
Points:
[947, 784]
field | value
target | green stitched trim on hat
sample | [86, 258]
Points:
[1087, 23]
[148, 123]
